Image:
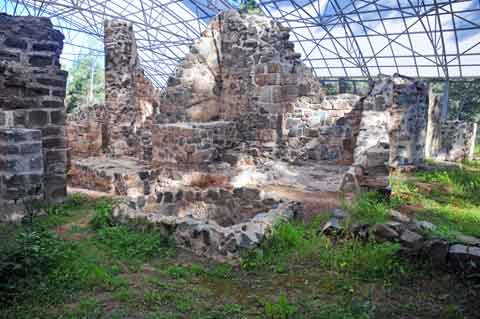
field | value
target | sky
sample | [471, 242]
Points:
[321, 38]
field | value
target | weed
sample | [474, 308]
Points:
[129, 244]
[369, 208]
[177, 271]
[102, 215]
[281, 309]
[221, 271]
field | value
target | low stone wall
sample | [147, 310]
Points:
[123, 177]
[21, 171]
[207, 238]
[191, 143]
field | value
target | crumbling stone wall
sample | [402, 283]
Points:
[391, 132]
[242, 69]
[408, 121]
[32, 90]
[450, 140]
[130, 98]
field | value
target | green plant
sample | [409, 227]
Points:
[33, 255]
[281, 309]
[368, 208]
[221, 271]
[250, 7]
[177, 271]
[102, 215]
[131, 244]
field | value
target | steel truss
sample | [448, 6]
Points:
[337, 38]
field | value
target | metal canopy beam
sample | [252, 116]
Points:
[358, 38]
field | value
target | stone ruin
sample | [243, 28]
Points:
[33, 142]
[448, 140]
[209, 158]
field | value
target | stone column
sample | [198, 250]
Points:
[408, 122]
[120, 66]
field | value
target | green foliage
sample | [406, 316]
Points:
[369, 208]
[80, 81]
[464, 100]
[221, 271]
[292, 242]
[250, 7]
[447, 198]
[32, 256]
[281, 309]
[131, 244]
[177, 271]
[102, 215]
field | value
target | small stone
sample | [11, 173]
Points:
[332, 227]
[383, 232]
[361, 231]
[411, 238]
[425, 226]
[340, 214]
[470, 240]
[437, 250]
[464, 258]
[399, 217]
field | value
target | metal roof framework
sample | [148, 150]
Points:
[337, 38]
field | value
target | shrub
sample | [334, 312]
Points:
[32, 256]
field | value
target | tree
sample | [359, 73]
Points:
[464, 98]
[86, 82]
[251, 7]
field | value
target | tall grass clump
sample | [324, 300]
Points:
[296, 243]
[369, 208]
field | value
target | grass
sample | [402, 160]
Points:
[448, 198]
[73, 261]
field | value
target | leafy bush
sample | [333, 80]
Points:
[32, 256]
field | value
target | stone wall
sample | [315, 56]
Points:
[130, 98]
[192, 144]
[391, 133]
[448, 140]
[242, 69]
[86, 132]
[32, 90]
[21, 170]
[456, 142]
[408, 122]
